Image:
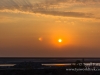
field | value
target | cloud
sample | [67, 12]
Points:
[55, 2]
[42, 7]
[71, 1]
[66, 14]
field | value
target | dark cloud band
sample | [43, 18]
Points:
[41, 7]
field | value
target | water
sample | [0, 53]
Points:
[7, 65]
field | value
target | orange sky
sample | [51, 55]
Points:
[32, 28]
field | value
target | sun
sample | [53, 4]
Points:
[59, 40]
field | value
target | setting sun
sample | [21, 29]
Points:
[60, 40]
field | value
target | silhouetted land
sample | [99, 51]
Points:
[33, 66]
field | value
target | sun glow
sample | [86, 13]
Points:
[59, 40]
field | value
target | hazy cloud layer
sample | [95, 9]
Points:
[42, 7]
[72, 1]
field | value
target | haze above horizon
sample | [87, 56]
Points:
[49, 28]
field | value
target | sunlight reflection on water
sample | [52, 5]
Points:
[1, 65]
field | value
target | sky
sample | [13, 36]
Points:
[49, 28]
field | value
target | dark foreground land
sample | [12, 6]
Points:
[46, 72]
[34, 66]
